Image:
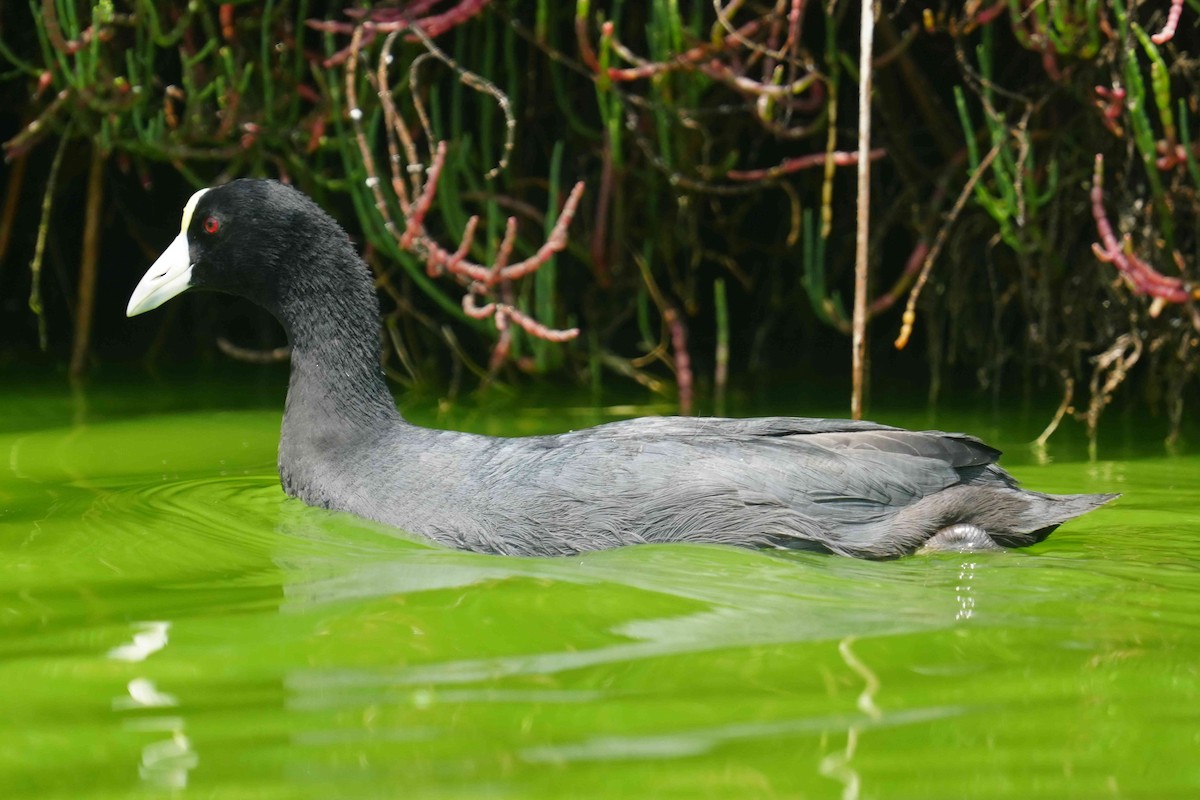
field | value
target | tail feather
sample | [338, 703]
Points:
[1046, 512]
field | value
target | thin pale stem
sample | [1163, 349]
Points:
[862, 235]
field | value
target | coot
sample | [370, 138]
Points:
[855, 488]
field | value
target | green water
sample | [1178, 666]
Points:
[171, 625]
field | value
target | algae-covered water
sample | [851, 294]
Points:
[171, 624]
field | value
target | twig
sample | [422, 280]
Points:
[12, 194]
[721, 359]
[394, 127]
[31, 133]
[910, 310]
[251, 356]
[683, 362]
[86, 300]
[1114, 363]
[479, 84]
[39, 250]
[1063, 408]
[685, 60]
[862, 233]
[788, 165]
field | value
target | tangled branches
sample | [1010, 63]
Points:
[490, 283]
[418, 17]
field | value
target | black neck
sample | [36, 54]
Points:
[333, 325]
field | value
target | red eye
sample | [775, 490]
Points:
[212, 225]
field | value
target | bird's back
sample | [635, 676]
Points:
[850, 487]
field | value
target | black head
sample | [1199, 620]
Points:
[257, 239]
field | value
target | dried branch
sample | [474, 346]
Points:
[39, 249]
[909, 319]
[862, 233]
[1113, 365]
[251, 356]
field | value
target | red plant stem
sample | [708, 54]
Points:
[603, 201]
[1112, 103]
[438, 258]
[416, 221]
[586, 54]
[474, 311]
[437, 24]
[392, 20]
[451, 264]
[683, 362]
[478, 279]
[840, 158]
[683, 60]
[555, 242]
[503, 345]
[537, 329]
[795, 22]
[54, 31]
[412, 9]
[720, 72]
[988, 15]
[506, 246]
[1142, 277]
[225, 14]
[87, 264]
[376, 22]
[12, 201]
[1168, 31]
[912, 268]
[1173, 155]
[1050, 64]
[504, 313]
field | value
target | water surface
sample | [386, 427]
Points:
[171, 624]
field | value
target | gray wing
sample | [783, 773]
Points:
[957, 449]
[760, 482]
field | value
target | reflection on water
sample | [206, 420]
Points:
[164, 763]
[838, 765]
[143, 694]
[150, 638]
[174, 624]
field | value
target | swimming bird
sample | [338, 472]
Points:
[850, 487]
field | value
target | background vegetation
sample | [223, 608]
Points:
[1034, 187]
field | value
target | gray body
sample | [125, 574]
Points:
[854, 488]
